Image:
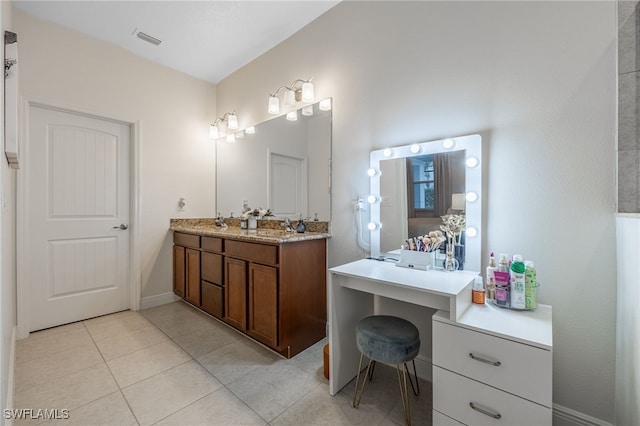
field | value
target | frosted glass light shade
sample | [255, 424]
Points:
[292, 116]
[289, 97]
[307, 92]
[250, 130]
[232, 122]
[231, 138]
[307, 111]
[213, 131]
[325, 104]
[274, 105]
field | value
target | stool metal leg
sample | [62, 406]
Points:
[404, 393]
[416, 389]
[358, 396]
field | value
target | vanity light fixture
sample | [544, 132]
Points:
[240, 134]
[372, 226]
[298, 91]
[372, 172]
[292, 115]
[471, 197]
[471, 162]
[448, 143]
[229, 119]
[372, 199]
[307, 111]
[388, 152]
[415, 148]
[471, 232]
[231, 137]
[325, 105]
[251, 130]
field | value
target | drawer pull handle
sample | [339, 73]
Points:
[485, 412]
[486, 361]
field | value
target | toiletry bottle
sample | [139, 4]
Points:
[301, 227]
[491, 278]
[516, 280]
[502, 281]
[477, 293]
[530, 285]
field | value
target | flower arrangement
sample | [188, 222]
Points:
[248, 212]
[452, 226]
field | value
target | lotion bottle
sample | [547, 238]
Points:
[491, 278]
[477, 292]
[516, 279]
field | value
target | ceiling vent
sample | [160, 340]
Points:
[148, 38]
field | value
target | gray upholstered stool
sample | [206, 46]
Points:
[390, 340]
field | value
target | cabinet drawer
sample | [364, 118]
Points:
[440, 419]
[186, 240]
[213, 299]
[524, 370]
[259, 253]
[453, 394]
[212, 267]
[212, 244]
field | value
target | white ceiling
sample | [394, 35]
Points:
[206, 39]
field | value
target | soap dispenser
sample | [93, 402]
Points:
[301, 227]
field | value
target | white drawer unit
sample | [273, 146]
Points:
[493, 366]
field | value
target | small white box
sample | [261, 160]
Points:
[416, 259]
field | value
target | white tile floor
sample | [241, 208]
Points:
[174, 365]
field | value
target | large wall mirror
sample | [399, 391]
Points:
[412, 186]
[284, 166]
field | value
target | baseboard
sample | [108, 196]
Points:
[10, 374]
[157, 300]
[566, 416]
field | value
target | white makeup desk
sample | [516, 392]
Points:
[352, 288]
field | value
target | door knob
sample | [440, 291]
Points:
[122, 226]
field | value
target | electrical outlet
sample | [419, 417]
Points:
[181, 204]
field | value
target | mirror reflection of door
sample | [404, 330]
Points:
[287, 185]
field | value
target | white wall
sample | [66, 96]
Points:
[538, 81]
[68, 69]
[7, 244]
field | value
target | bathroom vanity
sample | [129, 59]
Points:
[267, 283]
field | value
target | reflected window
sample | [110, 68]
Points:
[422, 182]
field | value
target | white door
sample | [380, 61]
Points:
[287, 185]
[77, 200]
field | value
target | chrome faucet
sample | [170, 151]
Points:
[287, 225]
[220, 221]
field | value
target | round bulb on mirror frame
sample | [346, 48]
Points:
[387, 152]
[415, 148]
[372, 172]
[448, 143]
[251, 130]
[307, 92]
[372, 199]
[231, 138]
[213, 131]
[274, 105]
[232, 122]
[372, 226]
[471, 162]
[471, 197]
[325, 104]
[292, 115]
[471, 232]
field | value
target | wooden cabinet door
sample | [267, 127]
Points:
[212, 268]
[235, 292]
[178, 270]
[263, 304]
[192, 266]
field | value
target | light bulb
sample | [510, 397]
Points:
[471, 162]
[307, 111]
[250, 130]
[325, 104]
[231, 138]
[471, 232]
[387, 152]
[448, 143]
[471, 197]
[232, 122]
[372, 199]
[292, 116]
[307, 92]
[372, 172]
[372, 226]
[415, 148]
[213, 131]
[274, 105]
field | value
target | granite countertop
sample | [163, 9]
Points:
[207, 227]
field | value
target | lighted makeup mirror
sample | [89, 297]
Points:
[396, 193]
